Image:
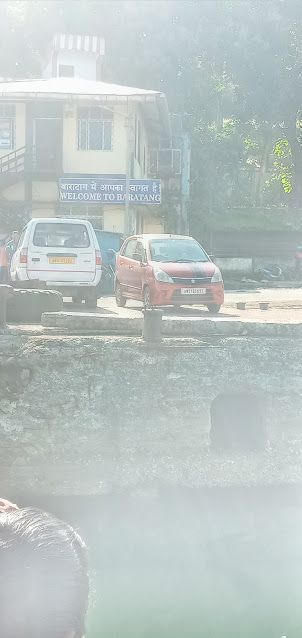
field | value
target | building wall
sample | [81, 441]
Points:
[84, 65]
[86, 162]
[93, 162]
[104, 162]
[140, 168]
[151, 224]
[40, 209]
[114, 219]
[19, 129]
[15, 192]
[45, 193]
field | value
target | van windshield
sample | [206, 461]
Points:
[176, 250]
[61, 235]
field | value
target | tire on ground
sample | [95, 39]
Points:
[27, 306]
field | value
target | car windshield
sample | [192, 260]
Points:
[176, 250]
[61, 235]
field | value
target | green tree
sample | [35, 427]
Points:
[231, 69]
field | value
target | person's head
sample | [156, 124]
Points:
[43, 577]
[15, 236]
[110, 254]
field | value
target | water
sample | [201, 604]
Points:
[173, 562]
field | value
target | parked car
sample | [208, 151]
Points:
[60, 254]
[162, 270]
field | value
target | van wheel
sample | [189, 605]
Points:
[120, 300]
[147, 298]
[214, 308]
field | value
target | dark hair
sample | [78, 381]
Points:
[43, 577]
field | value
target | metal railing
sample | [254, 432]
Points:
[13, 162]
[165, 162]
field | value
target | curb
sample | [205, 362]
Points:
[190, 327]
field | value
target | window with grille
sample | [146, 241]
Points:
[7, 126]
[95, 129]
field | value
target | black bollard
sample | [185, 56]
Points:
[5, 293]
[152, 325]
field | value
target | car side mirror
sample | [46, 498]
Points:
[138, 257]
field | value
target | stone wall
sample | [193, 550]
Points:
[88, 415]
[193, 526]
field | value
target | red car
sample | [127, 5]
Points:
[162, 270]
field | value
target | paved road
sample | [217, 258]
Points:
[285, 305]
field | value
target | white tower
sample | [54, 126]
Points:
[77, 56]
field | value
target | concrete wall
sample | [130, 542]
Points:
[235, 265]
[86, 416]
[249, 265]
[43, 210]
[151, 224]
[15, 192]
[114, 219]
[45, 191]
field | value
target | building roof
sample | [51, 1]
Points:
[76, 89]
[69, 86]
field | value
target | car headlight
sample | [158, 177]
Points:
[161, 275]
[217, 278]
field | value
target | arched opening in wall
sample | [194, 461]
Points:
[237, 422]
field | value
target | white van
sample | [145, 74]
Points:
[61, 254]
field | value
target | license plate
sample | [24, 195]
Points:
[193, 291]
[62, 260]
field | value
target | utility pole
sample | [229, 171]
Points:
[128, 216]
[185, 183]
[128, 127]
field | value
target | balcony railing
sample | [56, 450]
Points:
[165, 162]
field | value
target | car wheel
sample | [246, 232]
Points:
[214, 308]
[120, 300]
[147, 298]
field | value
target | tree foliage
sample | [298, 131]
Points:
[231, 69]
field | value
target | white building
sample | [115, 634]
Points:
[64, 137]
